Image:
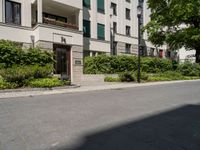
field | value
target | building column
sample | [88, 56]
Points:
[80, 20]
[1, 10]
[39, 10]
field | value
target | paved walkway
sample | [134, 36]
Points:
[84, 88]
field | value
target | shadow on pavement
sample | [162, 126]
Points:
[178, 129]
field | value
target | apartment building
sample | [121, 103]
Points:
[54, 25]
[111, 27]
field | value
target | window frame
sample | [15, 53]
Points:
[114, 8]
[84, 33]
[128, 48]
[87, 6]
[100, 10]
[20, 13]
[99, 37]
[128, 15]
[115, 27]
[128, 30]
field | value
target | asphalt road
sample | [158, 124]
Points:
[162, 117]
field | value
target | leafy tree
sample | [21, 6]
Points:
[176, 23]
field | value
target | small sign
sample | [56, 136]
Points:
[78, 62]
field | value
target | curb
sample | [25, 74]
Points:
[38, 89]
[78, 89]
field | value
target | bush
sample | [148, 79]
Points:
[169, 76]
[189, 69]
[7, 85]
[112, 79]
[12, 54]
[19, 74]
[155, 65]
[103, 64]
[143, 76]
[46, 83]
[126, 77]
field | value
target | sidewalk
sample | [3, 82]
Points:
[76, 89]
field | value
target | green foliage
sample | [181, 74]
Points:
[112, 79]
[126, 76]
[6, 85]
[46, 83]
[143, 76]
[19, 74]
[189, 69]
[103, 64]
[155, 65]
[175, 22]
[170, 76]
[12, 54]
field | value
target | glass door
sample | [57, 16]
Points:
[62, 58]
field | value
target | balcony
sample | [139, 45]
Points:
[59, 23]
[57, 13]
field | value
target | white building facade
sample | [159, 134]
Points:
[54, 25]
[73, 29]
[111, 27]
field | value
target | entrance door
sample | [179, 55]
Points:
[62, 58]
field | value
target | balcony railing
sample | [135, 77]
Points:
[60, 23]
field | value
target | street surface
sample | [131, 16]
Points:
[158, 117]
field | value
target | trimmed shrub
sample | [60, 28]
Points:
[155, 65]
[112, 79]
[169, 76]
[126, 77]
[143, 76]
[12, 54]
[104, 64]
[19, 74]
[46, 83]
[189, 69]
[6, 85]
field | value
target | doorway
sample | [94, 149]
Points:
[62, 63]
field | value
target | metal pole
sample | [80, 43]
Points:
[139, 47]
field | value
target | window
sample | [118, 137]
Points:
[128, 48]
[114, 7]
[115, 27]
[100, 6]
[128, 1]
[13, 12]
[128, 15]
[86, 3]
[101, 31]
[128, 30]
[86, 28]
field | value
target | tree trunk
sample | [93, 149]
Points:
[197, 55]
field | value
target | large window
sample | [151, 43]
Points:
[86, 3]
[13, 12]
[86, 28]
[101, 31]
[100, 6]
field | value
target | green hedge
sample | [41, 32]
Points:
[46, 83]
[19, 74]
[189, 69]
[104, 64]
[12, 54]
